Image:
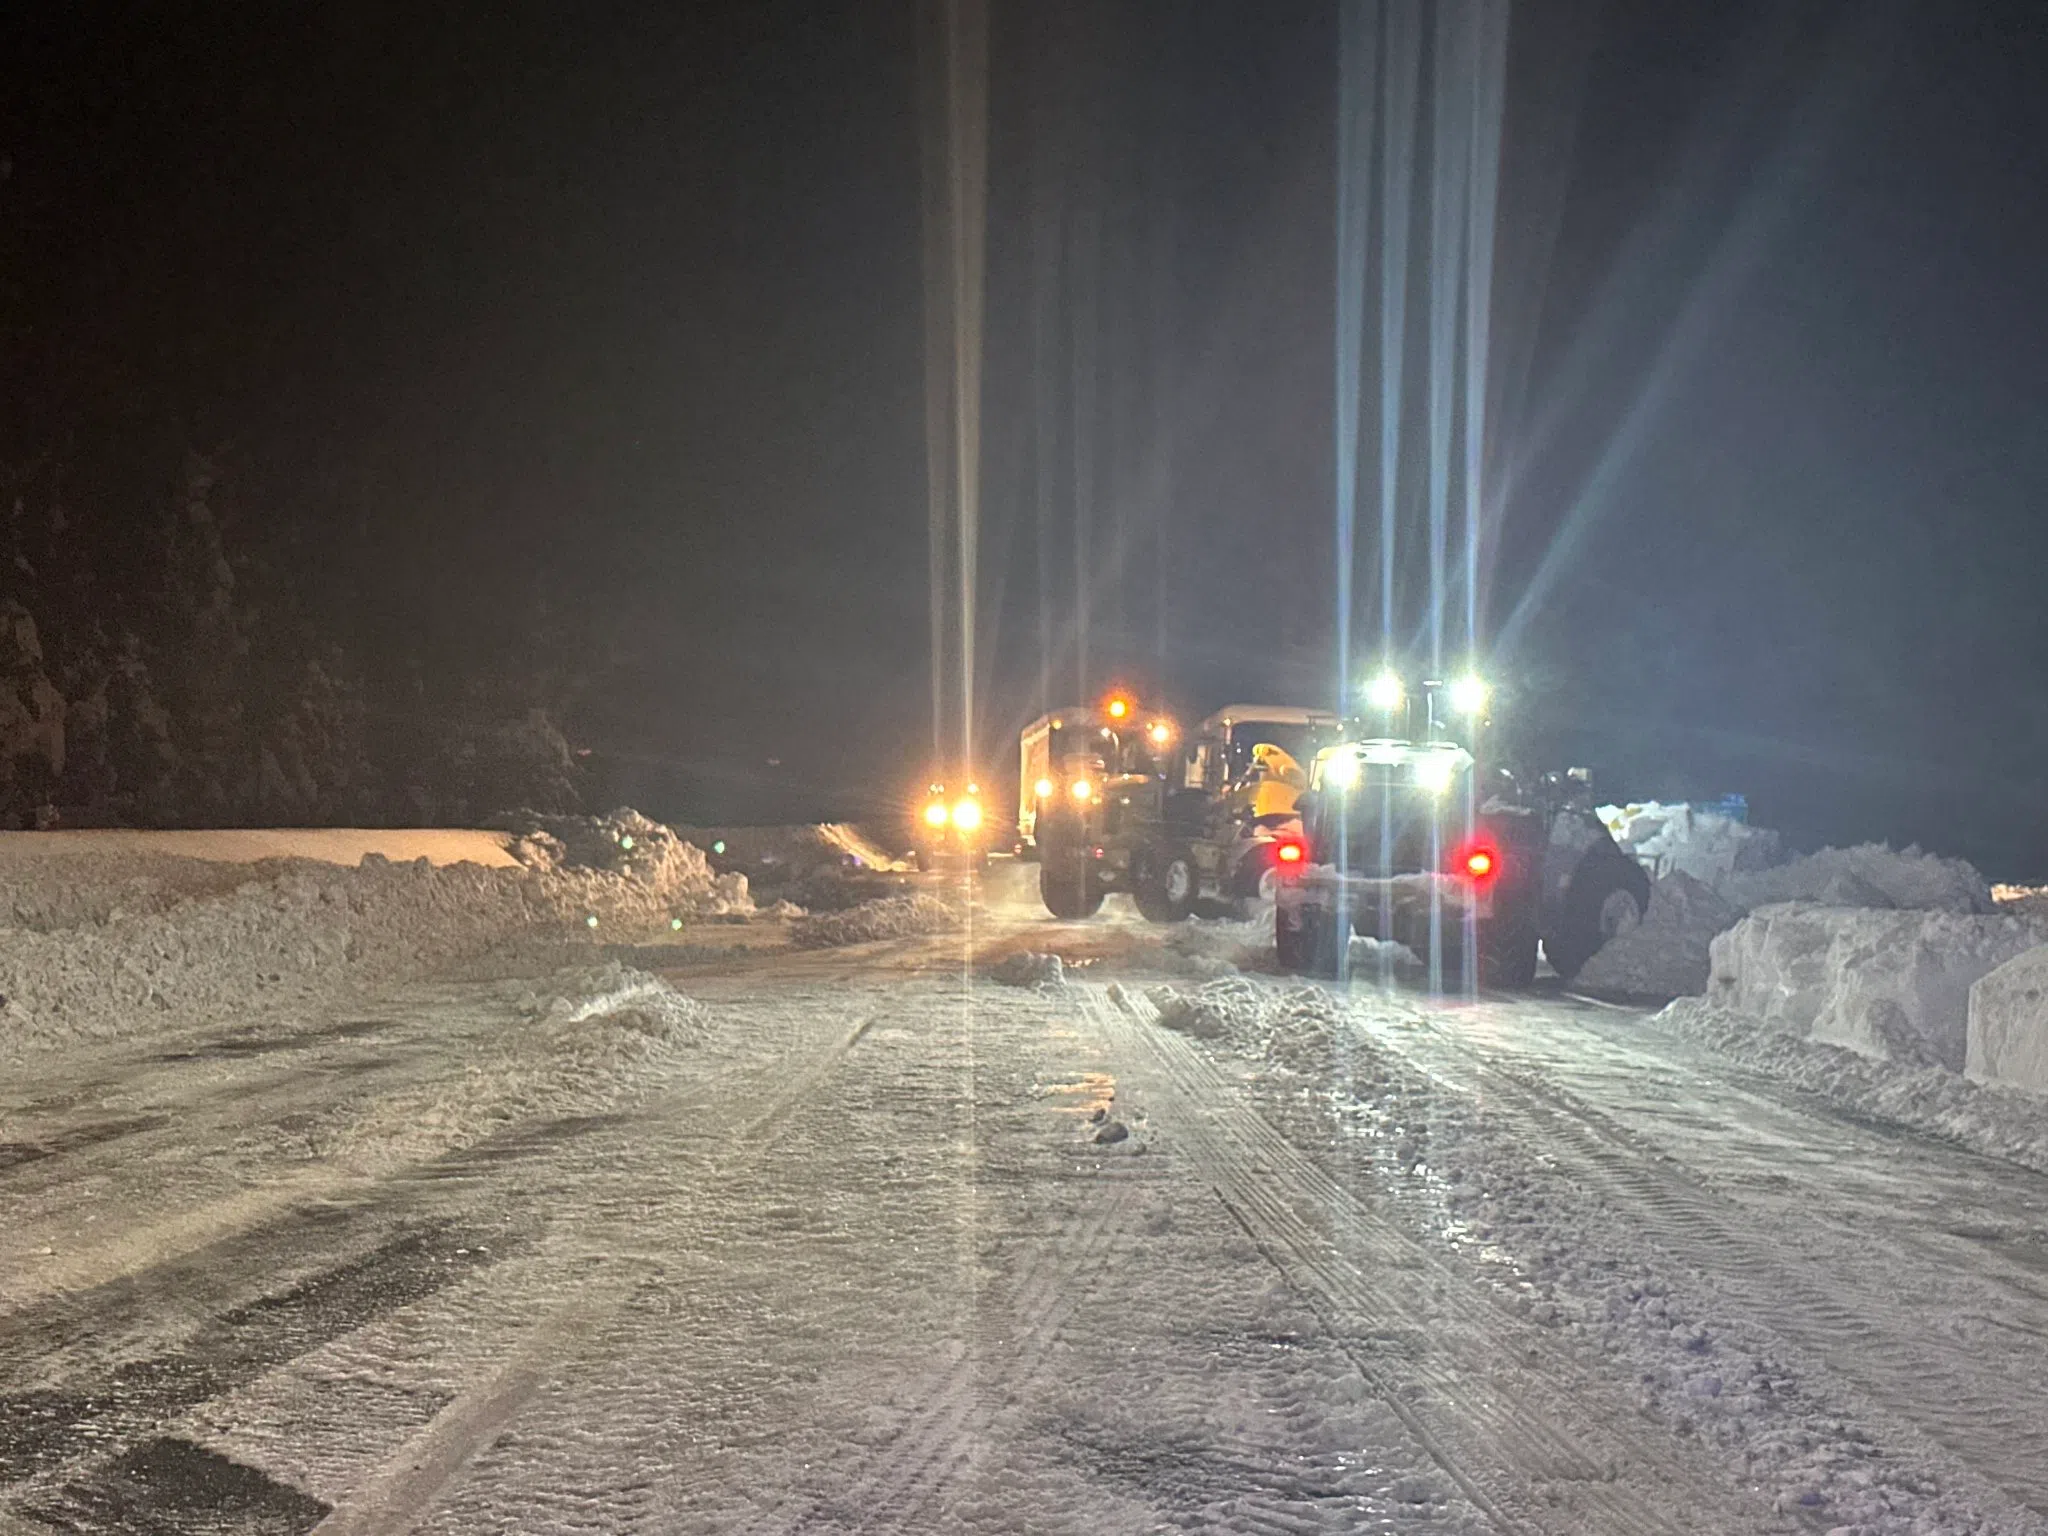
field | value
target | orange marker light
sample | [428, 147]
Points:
[1118, 708]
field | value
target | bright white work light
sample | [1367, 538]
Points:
[1385, 693]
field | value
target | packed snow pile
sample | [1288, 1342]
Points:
[1298, 1029]
[2008, 1032]
[1666, 954]
[892, 917]
[584, 1041]
[1689, 840]
[1028, 968]
[1890, 984]
[1868, 875]
[290, 933]
[628, 844]
[1996, 1121]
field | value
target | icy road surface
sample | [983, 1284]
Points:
[854, 1240]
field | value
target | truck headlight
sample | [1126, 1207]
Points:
[1043, 789]
[935, 814]
[1081, 789]
[967, 815]
[1435, 774]
[1341, 771]
[1468, 696]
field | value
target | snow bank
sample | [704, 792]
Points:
[2008, 1034]
[1666, 954]
[1996, 1121]
[893, 917]
[1868, 875]
[1889, 984]
[1683, 839]
[298, 932]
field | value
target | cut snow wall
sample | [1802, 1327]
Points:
[2009, 1023]
[1894, 985]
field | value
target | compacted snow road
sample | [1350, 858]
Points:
[861, 1240]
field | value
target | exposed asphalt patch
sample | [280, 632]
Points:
[45, 1428]
[170, 1487]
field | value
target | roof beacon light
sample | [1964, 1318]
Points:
[1385, 693]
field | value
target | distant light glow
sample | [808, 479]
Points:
[1385, 693]
[719, 846]
[1161, 733]
[590, 921]
[1118, 708]
[626, 842]
[675, 925]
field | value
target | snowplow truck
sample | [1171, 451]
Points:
[1181, 825]
[1412, 841]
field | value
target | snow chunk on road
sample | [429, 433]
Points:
[1894, 985]
[893, 917]
[2009, 1023]
[1296, 1028]
[1028, 968]
[1870, 874]
[1666, 954]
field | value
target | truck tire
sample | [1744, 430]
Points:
[1068, 889]
[1608, 897]
[1165, 887]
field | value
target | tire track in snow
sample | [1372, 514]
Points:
[1515, 1422]
[1994, 1417]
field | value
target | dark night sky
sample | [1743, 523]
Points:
[621, 305]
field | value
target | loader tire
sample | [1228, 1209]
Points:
[1608, 897]
[1165, 887]
[1068, 889]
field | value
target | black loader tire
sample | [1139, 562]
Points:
[1068, 889]
[1589, 920]
[1165, 887]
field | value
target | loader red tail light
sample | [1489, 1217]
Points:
[1479, 862]
[1288, 852]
